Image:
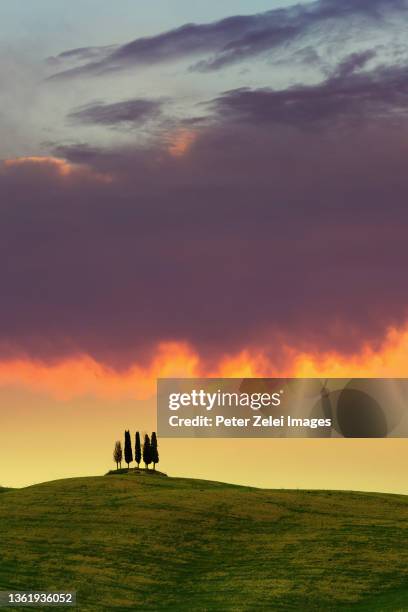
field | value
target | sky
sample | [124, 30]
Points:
[99, 22]
[198, 189]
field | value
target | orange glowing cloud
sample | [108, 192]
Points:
[181, 142]
[57, 166]
[60, 166]
[85, 376]
[390, 361]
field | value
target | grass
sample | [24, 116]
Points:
[133, 542]
[149, 472]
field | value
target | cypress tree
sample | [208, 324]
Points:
[118, 454]
[138, 450]
[128, 448]
[154, 452]
[147, 452]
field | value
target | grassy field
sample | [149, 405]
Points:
[147, 542]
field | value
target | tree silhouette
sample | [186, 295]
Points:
[154, 453]
[128, 448]
[147, 458]
[138, 450]
[118, 454]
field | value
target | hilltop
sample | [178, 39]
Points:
[129, 541]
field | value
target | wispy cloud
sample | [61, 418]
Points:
[348, 93]
[230, 40]
[125, 112]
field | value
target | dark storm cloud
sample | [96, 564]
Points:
[230, 40]
[346, 94]
[258, 236]
[127, 111]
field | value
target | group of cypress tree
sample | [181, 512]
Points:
[149, 453]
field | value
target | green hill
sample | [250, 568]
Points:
[155, 543]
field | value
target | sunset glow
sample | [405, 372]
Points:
[83, 376]
[181, 142]
[60, 167]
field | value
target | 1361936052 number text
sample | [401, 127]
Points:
[36, 598]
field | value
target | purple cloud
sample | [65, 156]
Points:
[347, 94]
[259, 235]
